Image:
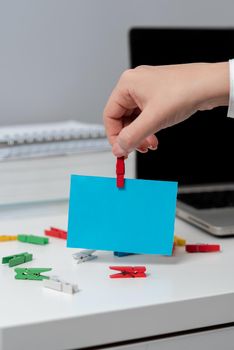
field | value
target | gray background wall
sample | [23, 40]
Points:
[59, 59]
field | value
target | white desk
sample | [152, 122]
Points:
[182, 293]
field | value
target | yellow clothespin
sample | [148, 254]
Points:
[5, 238]
[179, 241]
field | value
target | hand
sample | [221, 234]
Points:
[147, 99]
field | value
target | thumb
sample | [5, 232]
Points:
[131, 136]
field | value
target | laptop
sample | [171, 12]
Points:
[199, 152]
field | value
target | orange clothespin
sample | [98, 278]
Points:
[179, 241]
[120, 171]
[5, 238]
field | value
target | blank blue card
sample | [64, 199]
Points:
[138, 218]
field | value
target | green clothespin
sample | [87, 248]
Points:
[31, 274]
[17, 259]
[33, 239]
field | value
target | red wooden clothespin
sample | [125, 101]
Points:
[202, 248]
[56, 232]
[120, 171]
[128, 271]
[62, 233]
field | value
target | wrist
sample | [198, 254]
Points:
[215, 86]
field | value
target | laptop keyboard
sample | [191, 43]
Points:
[208, 200]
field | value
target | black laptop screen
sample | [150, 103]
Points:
[200, 149]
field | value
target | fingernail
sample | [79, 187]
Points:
[152, 148]
[143, 150]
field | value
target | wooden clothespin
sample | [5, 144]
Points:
[56, 232]
[120, 171]
[6, 238]
[202, 248]
[179, 241]
[128, 271]
[120, 254]
[33, 239]
[84, 255]
[31, 274]
[17, 259]
[56, 284]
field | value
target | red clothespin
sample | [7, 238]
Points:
[62, 233]
[202, 248]
[56, 232]
[128, 271]
[120, 171]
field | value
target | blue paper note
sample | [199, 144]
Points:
[138, 218]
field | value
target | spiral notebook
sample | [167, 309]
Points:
[50, 139]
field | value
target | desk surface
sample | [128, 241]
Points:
[182, 292]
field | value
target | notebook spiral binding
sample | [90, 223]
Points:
[48, 139]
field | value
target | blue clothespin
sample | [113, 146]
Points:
[120, 255]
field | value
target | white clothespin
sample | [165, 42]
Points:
[84, 255]
[61, 286]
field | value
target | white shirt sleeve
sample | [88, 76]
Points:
[230, 113]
